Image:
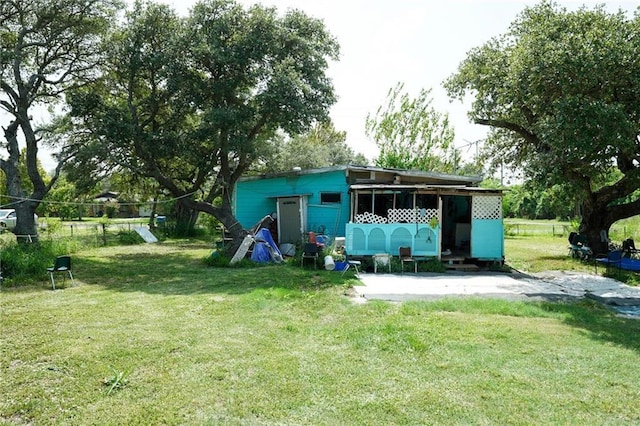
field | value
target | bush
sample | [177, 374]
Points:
[217, 260]
[129, 238]
[432, 265]
[24, 264]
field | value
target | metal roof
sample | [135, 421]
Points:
[427, 187]
[399, 172]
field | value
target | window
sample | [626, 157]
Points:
[330, 198]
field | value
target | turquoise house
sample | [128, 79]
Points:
[377, 210]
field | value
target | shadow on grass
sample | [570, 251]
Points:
[179, 273]
[599, 322]
[557, 258]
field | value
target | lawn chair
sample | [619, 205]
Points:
[629, 248]
[355, 264]
[382, 260]
[310, 251]
[61, 264]
[578, 248]
[406, 257]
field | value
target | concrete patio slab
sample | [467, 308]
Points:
[545, 286]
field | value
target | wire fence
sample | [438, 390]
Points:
[617, 232]
[91, 234]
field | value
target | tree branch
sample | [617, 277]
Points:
[503, 124]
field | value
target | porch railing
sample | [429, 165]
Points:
[367, 239]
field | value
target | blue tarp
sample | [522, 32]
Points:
[625, 263]
[265, 249]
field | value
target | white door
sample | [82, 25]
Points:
[290, 220]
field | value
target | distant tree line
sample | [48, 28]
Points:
[531, 202]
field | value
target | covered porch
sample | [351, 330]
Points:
[433, 220]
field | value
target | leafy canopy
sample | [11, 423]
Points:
[320, 146]
[191, 102]
[47, 48]
[411, 133]
[560, 91]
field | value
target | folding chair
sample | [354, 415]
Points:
[405, 257]
[310, 251]
[629, 248]
[61, 264]
[355, 263]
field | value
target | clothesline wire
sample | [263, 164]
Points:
[72, 203]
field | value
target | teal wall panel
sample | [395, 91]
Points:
[255, 199]
[487, 241]
[366, 239]
[377, 241]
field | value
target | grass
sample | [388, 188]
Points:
[549, 253]
[540, 253]
[153, 336]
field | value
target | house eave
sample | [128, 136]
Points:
[416, 174]
[425, 187]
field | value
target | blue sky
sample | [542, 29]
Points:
[417, 42]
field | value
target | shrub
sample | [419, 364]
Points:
[23, 264]
[432, 265]
[217, 260]
[129, 238]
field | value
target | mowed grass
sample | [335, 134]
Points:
[540, 253]
[188, 344]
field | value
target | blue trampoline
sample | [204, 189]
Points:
[616, 260]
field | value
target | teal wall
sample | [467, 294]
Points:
[367, 239]
[254, 199]
[487, 239]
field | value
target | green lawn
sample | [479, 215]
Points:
[152, 336]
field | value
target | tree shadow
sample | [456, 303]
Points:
[179, 273]
[599, 322]
[182, 273]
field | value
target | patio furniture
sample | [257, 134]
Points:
[61, 264]
[310, 251]
[356, 265]
[381, 259]
[406, 257]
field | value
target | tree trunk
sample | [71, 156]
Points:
[154, 209]
[598, 214]
[186, 218]
[225, 215]
[25, 229]
[595, 226]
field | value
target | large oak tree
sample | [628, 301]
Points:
[47, 47]
[191, 101]
[561, 93]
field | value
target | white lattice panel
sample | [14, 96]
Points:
[411, 215]
[487, 207]
[369, 218]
